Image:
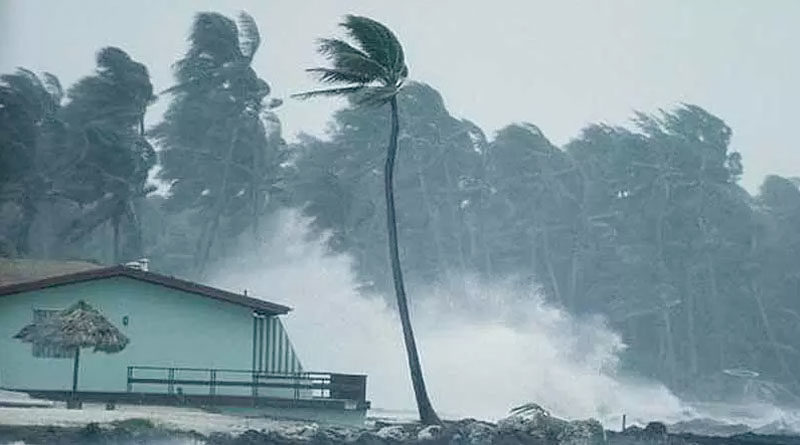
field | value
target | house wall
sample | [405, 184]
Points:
[167, 328]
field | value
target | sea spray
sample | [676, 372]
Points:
[485, 348]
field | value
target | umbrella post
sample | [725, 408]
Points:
[73, 402]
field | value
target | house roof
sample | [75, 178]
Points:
[99, 273]
[19, 270]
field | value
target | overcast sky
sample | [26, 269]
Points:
[559, 64]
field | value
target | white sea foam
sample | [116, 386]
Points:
[485, 347]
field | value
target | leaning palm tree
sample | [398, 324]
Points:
[372, 73]
[79, 326]
[219, 95]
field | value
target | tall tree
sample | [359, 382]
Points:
[373, 72]
[29, 126]
[218, 155]
[438, 190]
[112, 158]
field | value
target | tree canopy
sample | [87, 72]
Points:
[644, 223]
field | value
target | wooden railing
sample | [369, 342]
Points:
[301, 385]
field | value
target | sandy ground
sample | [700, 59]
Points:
[18, 399]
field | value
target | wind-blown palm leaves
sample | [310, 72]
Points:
[29, 107]
[220, 158]
[79, 326]
[105, 116]
[372, 73]
[440, 189]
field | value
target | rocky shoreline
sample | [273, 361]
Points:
[535, 426]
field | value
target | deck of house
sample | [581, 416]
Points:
[319, 395]
[274, 383]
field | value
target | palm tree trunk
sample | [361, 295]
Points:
[135, 227]
[670, 345]
[551, 271]
[455, 222]
[219, 206]
[691, 324]
[434, 216]
[574, 273]
[28, 216]
[718, 318]
[426, 413]
[663, 273]
[115, 220]
[256, 195]
[755, 290]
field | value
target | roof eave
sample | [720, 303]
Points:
[150, 277]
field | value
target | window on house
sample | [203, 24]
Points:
[48, 351]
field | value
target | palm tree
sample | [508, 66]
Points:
[112, 158]
[28, 120]
[212, 134]
[372, 73]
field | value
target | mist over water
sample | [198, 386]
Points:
[485, 347]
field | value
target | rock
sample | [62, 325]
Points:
[429, 433]
[534, 421]
[393, 433]
[301, 432]
[582, 432]
[633, 431]
[368, 438]
[655, 430]
[479, 433]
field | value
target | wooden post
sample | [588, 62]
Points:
[75, 371]
[73, 402]
[623, 423]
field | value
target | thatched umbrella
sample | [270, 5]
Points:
[79, 326]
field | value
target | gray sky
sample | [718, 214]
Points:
[559, 64]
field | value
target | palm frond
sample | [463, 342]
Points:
[249, 37]
[209, 81]
[176, 88]
[216, 36]
[53, 86]
[25, 81]
[374, 96]
[347, 57]
[372, 71]
[333, 75]
[377, 40]
[112, 59]
[343, 91]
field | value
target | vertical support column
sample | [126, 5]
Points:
[255, 342]
[171, 381]
[261, 343]
[273, 345]
[255, 386]
[212, 387]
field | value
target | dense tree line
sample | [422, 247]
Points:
[646, 224]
